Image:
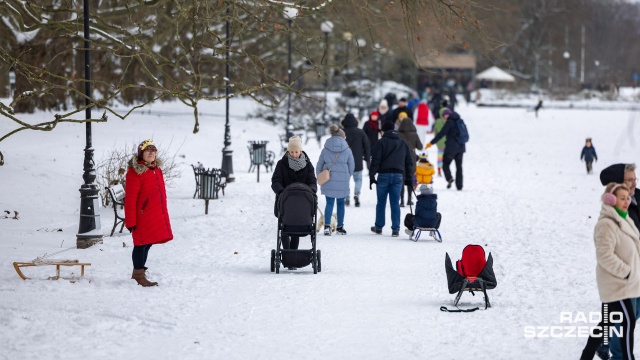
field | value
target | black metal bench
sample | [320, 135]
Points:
[209, 183]
[116, 194]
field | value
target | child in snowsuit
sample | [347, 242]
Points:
[589, 154]
[424, 171]
[427, 215]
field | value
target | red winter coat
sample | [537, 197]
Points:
[145, 204]
[422, 114]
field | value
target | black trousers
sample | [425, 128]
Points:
[446, 163]
[589, 167]
[290, 242]
[625, 307]
[139, 256]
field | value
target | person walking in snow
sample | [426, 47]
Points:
[589, 155]
[618, 268]
[409, 135]
[371, 127]
[359, 145]
[392, 162]
[295, 166]
[338, 159]
[437, 127]
[624, 174]
[453, 150]
[145, 208]
[384, 112]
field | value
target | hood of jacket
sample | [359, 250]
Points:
[609, 212]
[454, 116]
[336, 144]
[613, 173]
[391, 134]
[349, 121]
[406, 126]
[139, 167]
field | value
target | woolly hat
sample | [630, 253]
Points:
[388, 126]
[383, 104]
[446, 112]
[374, 113]
[613, 173]
[426, 190]
[335, 130]
[295, 144]
[403, 99]
[402, 115]
[423, 155]
[146, 145]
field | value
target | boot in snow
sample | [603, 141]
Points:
[139, 276]
[440, 172]
[341, 231]
[357, 200]
[327, 230]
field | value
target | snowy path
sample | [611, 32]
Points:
[526, 199]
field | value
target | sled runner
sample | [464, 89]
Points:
[297, 216]
[426, 218]
[472, 273]
[55, 262]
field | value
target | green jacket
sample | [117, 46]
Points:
[437, 126]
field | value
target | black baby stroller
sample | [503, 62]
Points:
[427, 218]
[296, 217]
[472, 273]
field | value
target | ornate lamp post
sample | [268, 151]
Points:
[89, 230]
[289, 13]
[326, 27]
[227, 153]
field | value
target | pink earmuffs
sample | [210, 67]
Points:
[610, 198]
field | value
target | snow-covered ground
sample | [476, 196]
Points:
[527, 199]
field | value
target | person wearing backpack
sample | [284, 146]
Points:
[457, 136]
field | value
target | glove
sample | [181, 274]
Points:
[372, 180]
[428, 145]
[408, 182]
[131, 229]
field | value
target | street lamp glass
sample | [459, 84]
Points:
[566, 55]
[326, 27]
[361, 42]
[347, 36]
[290, 12]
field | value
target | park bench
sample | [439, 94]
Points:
[54, 262]
[116, 194]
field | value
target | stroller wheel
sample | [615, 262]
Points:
[273, 260]
[318, 260]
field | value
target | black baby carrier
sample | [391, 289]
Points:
[426, 218]
[296, 210]
[472, 273]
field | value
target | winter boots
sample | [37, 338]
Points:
[346, 202]
[341, 231]
[139, 276]
[357, 200]
[327, 230]
[449, 182]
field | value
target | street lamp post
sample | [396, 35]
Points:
[89, 230]
[326, 27]
[227, 153]
[347, 36]
[361, 44]
[567, 56]
[289, 13]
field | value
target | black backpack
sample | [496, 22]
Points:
[463, 134]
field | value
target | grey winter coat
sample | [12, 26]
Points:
[338, 185]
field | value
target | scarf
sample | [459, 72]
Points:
[297, 164]
[622, 214]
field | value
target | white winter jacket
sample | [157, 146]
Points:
[617, 243]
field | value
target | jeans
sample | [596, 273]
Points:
[139, 256]
[328, 210]
[389, 184]
[357, 179]
[448, 158]
[614, 342]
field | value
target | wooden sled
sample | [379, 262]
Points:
[433, 232]
[56, 262]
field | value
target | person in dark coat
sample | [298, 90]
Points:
[392, 162]
[145, 208]
[453, 149]
[372, 129]
[359, 145]
[402, 108]
[409, 134]
[622, 174]
[435, 103]
[295, 166]
[589, 155]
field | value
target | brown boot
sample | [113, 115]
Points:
[139, 276]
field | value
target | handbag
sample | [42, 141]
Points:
[325, 174]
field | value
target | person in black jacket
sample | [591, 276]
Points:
[294, 166]
[453, 149]
[392, 162]
[622, 174]
[402, 107]
[359, 144]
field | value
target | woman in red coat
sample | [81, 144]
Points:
[145, 208]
